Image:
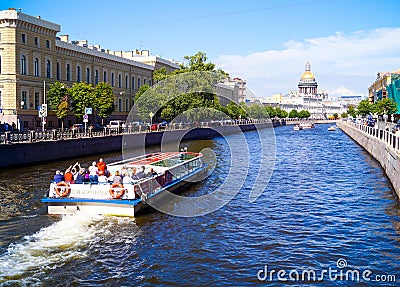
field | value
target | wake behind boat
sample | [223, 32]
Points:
[169, 170]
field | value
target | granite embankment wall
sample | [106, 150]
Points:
[382, 145]
[14, 155]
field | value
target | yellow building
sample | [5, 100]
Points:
[32, 57]
[378, 88]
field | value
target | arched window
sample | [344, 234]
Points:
[23, 65]
[58, 71]
[36, 67]
[105, 77]
[96, 77]
[68, 72]
[88, 75]
[48, 69]
[78, 74]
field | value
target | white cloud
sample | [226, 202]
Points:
[341, 63]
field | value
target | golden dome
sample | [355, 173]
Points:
[307, 75]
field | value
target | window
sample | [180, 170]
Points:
[23, 38]
[58, 71]
[105, 77]
[23, 100]
[149, 82]
[36, 41]
[138, 83]
[96, 77]
[0, 64]
[112, 79]
[23, 65]
[36, 67]
[37, 97]
[0, 100]
[144, 81]
[127, 105]
[133, 82]
[119, 81]
[78, 74]
[48, 69]
[126, 82]
[120, 105]
[47, 44]
[87, 75]
[68, 72]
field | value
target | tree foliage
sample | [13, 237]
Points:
[384, 106]
[352, 111]
[103, 100]
[364, 108]
[293, 114]
[82, 96]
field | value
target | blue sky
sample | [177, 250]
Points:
[265, 42]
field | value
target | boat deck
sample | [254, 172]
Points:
[154, 158]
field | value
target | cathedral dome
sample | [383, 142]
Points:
[307, 75]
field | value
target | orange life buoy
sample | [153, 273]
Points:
[117, 190]
[62, 189]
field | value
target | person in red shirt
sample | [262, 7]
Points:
[68, 176]
[101, 166]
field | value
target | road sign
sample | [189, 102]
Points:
[85, 118]
[151, 114]
[44, 110]
[88, 111]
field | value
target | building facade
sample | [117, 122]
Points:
[32, 57]
[386, 85]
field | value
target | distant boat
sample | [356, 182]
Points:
[332, 129]
[297, 127]
[307, 125]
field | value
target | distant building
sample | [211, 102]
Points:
[231, 90]
[32, 56]
[386, 85]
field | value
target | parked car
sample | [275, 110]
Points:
[96, 127]
[116, 125]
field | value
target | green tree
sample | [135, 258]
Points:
[293, 114]
[59, 100]
[303, 114]
[364, 108]
[141, 91]
[344, 115]
[103, 100]
[352, 111]
[160, 75]
[82, 96]
[335, 116]
[270, 112]
[385, 106]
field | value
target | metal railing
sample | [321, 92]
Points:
[389, 138]
[58, 134]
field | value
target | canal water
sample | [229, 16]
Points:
[328, 210]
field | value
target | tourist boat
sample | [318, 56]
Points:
[332, 129]
[297, 127]
[173, 169]
[307, 125]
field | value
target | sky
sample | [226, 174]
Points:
[267, 43]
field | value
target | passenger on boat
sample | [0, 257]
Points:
[58, 177]
[152, 173]
[101, 165]
[80, 177]
[68, 176]
[87, 175]
[127, 179]
[102, 178]
[93, 172]
[134, 175]
[117, 177]
[141, 173]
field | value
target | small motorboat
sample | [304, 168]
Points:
[297, 127]
[332, 129]
[307, 125]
